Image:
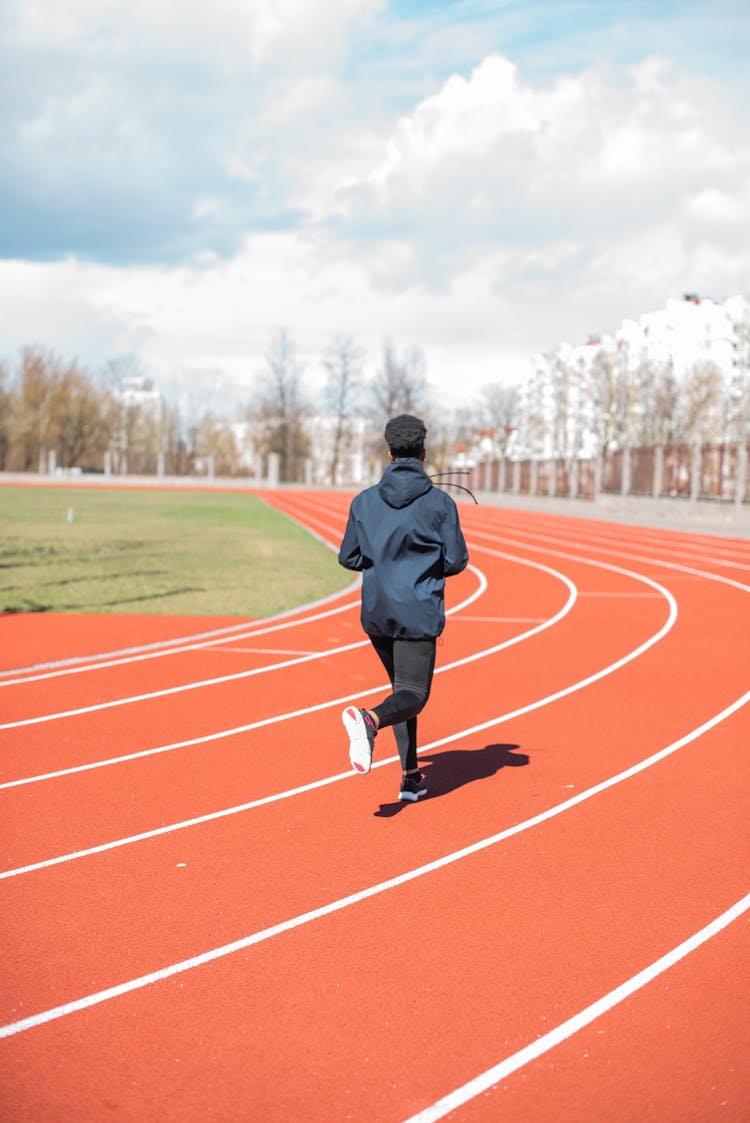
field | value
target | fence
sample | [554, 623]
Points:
[691, 472]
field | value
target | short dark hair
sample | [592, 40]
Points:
[405, 435]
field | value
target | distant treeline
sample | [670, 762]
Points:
[53, 408]
[56, 414]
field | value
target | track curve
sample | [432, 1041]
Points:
[198, 893]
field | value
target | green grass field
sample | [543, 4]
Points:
[156, 552]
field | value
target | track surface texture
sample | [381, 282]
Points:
[208, 916]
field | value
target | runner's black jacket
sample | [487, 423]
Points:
[405, 537]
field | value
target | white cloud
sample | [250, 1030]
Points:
[255, 30]
[712, 205]
[587, 140]
[586, 192]
[123, 117]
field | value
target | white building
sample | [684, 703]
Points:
[141, 392]
[562, 400]
[691, 331]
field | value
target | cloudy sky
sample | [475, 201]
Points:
[481, 179]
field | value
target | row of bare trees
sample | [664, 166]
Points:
[279, 416]
[54, 412]
[57, 412]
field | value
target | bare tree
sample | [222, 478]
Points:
[5, 415]
[499, 409]
[665, 405]
[736, 409]
[400, 386]
[604, 391]
[623, 402]
[80, 419]
[280, 412]
[135, 438]
[561, 402]
[215, 438]
[533, 437]
[172, 443]
[31, 410]
[697, 409]
[442, 437]
[582, 405]
[343, 361]
[656, 401]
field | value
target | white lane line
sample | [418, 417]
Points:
[461, 734]
[502, 619]
[708, 554]
[694, 577]
[621, 596]
[257, 651]
[262, 629]
[501, 536]
[245, 942]
[236, 676]
[183, 688]
[585, 1017]
[289, 715]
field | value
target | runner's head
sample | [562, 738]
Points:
[405, 436]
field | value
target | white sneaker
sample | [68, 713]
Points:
[361, 732]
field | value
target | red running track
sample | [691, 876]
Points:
[207, 916]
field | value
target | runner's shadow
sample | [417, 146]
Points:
[454, 768]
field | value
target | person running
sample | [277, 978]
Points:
[405, 536]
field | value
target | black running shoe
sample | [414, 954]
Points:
[413, 787]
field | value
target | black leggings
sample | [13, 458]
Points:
[409, 664]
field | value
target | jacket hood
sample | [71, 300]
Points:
[403, 482]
